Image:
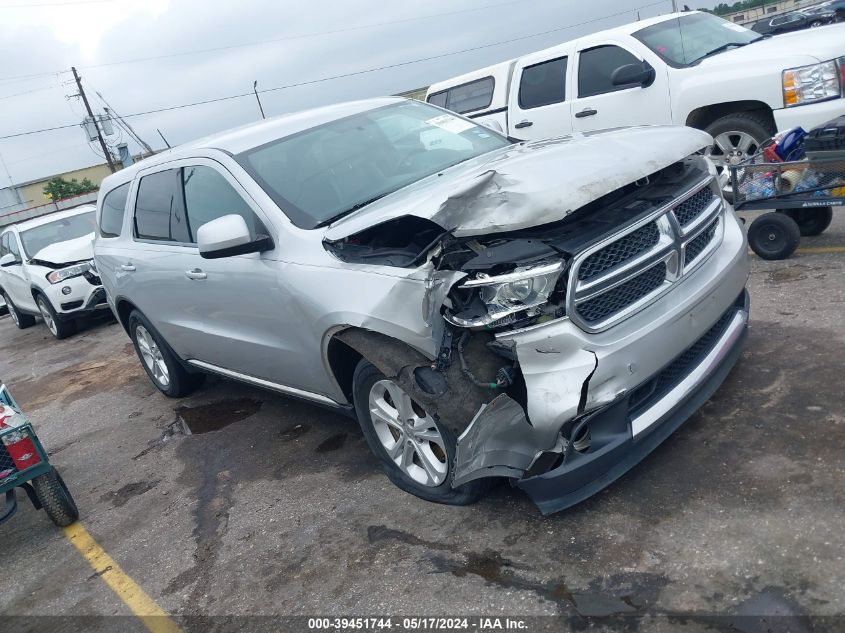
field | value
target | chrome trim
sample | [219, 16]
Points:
[260, 382]
[694, 379]
[669, 248]
[528, 273]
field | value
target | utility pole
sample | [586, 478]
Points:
[255, 90]
[125, 125]
[106, 151]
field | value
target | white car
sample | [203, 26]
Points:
[47, 269]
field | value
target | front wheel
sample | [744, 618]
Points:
[811, 221]
[160, 363]
[774, 236]
[58, 328]
[416, 452]
[55, 498]
[21, 320]
[736, 137]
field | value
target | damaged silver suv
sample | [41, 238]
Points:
[547, 312]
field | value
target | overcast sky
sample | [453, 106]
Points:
[277, 42]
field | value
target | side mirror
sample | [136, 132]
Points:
[633, 74]
[8, 260]
[227, 236]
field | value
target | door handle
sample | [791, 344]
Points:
[196, 273]
[523, 124]
[127, 267]
[586, 112]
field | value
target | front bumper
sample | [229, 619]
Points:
[810, 115]
[86, 297]
[627, 430]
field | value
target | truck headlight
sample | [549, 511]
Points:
[524, 288]
[56, 276]
[808, 84]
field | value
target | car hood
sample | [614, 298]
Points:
[530, 183]
[67, 252]
[792, 49]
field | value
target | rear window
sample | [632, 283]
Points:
[543, 84]
[114, 208]
[468, 97]
[160, 209]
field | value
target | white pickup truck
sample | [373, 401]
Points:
[689, 68]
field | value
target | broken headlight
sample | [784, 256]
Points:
[61, 274]
[500, 296]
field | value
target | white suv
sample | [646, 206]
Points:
[47, 269]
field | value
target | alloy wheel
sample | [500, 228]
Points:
[49, 321]
[729, 149]
[408, 434]
[152, 356]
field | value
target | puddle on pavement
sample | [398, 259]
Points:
[206, 418]
[331, 443]
[127, 492]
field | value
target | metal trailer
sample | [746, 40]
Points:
[24, 464]
[802, 193]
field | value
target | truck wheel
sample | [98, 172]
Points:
[774, 236]
[20, 319]
[416, 452]
[812, 221]
[159, 361]
[58, 328]
[55, 498]
[736, 137]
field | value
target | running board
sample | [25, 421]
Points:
[266, 384]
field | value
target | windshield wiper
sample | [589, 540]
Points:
[349, 210]
[724, 47]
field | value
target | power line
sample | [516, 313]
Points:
[28, 92]
[349, 74]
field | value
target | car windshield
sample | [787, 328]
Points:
[687, 39]
[70, 228]
[328, 171]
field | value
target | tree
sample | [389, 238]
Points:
[57, 188]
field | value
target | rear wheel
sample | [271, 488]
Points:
[416, 452]
[811, 221]
[774, 236]
[21, 319]
[55, 498]
[159, 361]
[59, 329]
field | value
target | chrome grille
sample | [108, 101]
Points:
[620, 251]
[624, 273]
[620, 297]
[694, 206]
[697, 244]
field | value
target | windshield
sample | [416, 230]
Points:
[70, 228]
[328, 171]
[688, 38]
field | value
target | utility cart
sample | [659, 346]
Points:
[24, 464]
[803, 193]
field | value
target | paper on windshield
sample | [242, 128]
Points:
[450, 123]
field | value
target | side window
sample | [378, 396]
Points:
[114, 208]
[438, 98]
[475, 95]
[14, 249]
[160, 209]
[596, 65]
[208, 196]
[4, 244]
[543, 84]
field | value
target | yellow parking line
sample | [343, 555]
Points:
[144, 607]
[821, 249]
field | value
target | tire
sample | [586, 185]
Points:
[58, 328]
[55, 498]
[160, 362]
[812, 221]
[440, 451]
[774, 236]
[20, 319]
[737, 136]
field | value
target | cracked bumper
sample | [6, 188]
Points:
[627, 430]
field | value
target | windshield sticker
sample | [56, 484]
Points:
[450, 123]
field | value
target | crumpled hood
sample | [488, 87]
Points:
[529, 184]
[74, 250]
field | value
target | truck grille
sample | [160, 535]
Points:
[627, 271]
[620, 251]
[694, 206]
